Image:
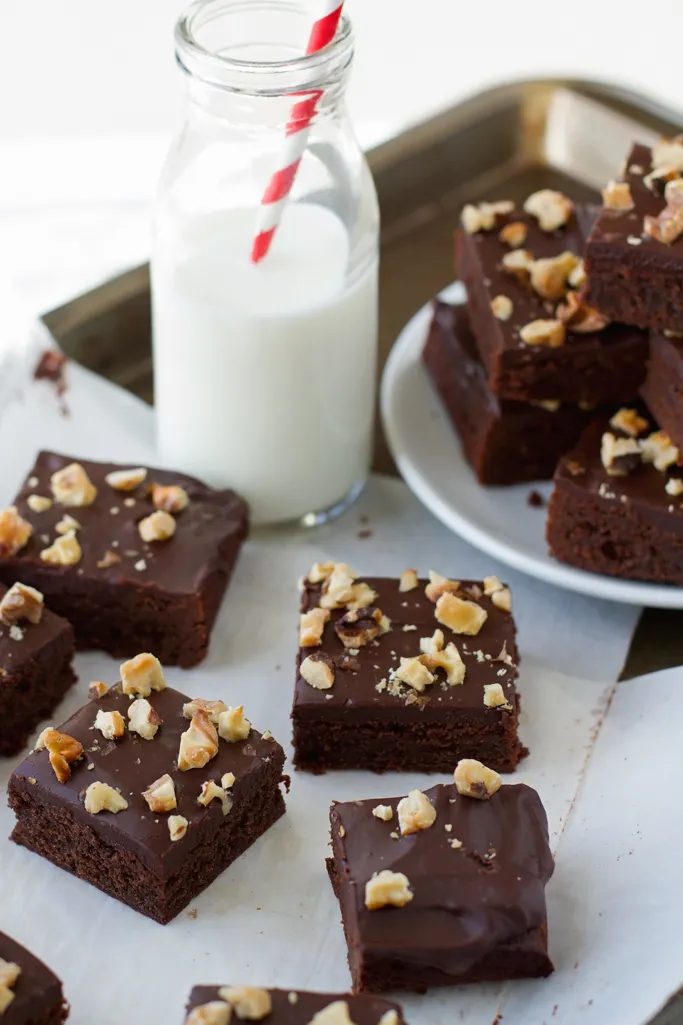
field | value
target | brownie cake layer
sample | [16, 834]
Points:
[663, 388]
[37, 997]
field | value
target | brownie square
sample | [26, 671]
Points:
[208, 1006]
[368, 718]
[626, 521]
[120, 592]
[140, 854]
[663, 387]
[633, 276]
[506, 442]
[477, 873]
[580, 365]
[33, 994]
[35, 667]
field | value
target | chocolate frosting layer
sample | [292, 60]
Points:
[355, 691]
[36, 991]
[364, 1010]
[466, 901]
[132, 764]
[204, 529]
[35, 638]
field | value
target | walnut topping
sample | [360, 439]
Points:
[143, 719]
[668, 153]
[97, 690]
[227, 780]
[459, 615]
[617, 196]
[319, 572]
[38, 503]
[658, 449]
[14, 531]
[668, 225]
[408, 580]
[549, 276]
[160, 796]
[142, 674]
[502, 307]
[63, 751]
[387, 888]
[439, 585]
[111, 725]
[578, 275]
[578, 317]
[500, 595]
[552, 209]
[126, 480]
[311, 626]
[448, 659]
[66, 524]
[674, 487]
[472, 779]
[64, 551]
[629, 421]
[362, 596]
[415, 812]
[9, 973]
[383, 812]
[21, 603]
[338, 588]
[233, 726]
[456, 844]
[494, 697]
[514, 234]
[216, 1012]
[108, 560]
[432, 645]
[177, 826]
[158, 526]
[170, 498]
[248, 1002]
[71, 486]
[198, 744]
[619, 455]
[318, 672]
[519, 264]
[543, 332]
[483, 216]
[101, 797]
[358, 627]
[212, 708]
[212, 792]
[414, 673]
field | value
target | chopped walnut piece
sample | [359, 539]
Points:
[552, 209]
[177, 826]
[64, 551]
[674, 487]
[71, 486]
[439, 585]
[38, 503]
[142, 674]
[212, 708]
[543, 332]
[311, 626]
[63, 751]
[483, 216]
[384, 812]
[362, 596]
[667, 226]
[126, 480]
[227, 780]
[494, 697]
[472, 779]
[9, 973]
[337, 1013]
[97, 690]
[629, 421]
[212, 792]
[143, 719]
[216, 1012]
[198, 744]
[233, 726]
[358, 627]
[318, 672]
[432, 645]
[338, 588]
[578, 275]
[66, 524]
[21, 603]
[549, 276]
[519, 264]
[619, 456]
[617, 196]
[673, 193]
[668, 153]
[40, 744]
[319, 572]
[448, 659]
[408, 581]
[456, 844]
[160, 795]
[158, 526]
[502, 307]
[170, 498]
[415, 812]
[387, 888]
[459, 615]
[658, 449]
[248, 1002]
[502, 599]
[111, 725]
[414, 673]
[108, 560]
[101, 797]
[514, 234]
[14, 531]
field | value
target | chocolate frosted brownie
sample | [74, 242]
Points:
[145, 794]
[443, 887]
[404, 674]
[36, 649]
[537, 340]
[506, 442]
[135, 559]
[30, 994]
[617, 507]
[634, 255]
[213, 1005]
[663, 388]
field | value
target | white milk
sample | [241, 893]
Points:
[265, 375]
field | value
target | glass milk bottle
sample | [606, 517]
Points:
[265, 372]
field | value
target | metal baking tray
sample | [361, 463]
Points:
[504, 143]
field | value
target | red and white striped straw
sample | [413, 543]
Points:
[277, 191]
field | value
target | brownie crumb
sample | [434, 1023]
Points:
[363, 534]
[50, 367]
[535, 499]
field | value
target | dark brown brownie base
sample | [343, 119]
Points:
[428, 746]
[627, 288]
[663, 388]
[23, 705]
[54, 833]
[523, 958]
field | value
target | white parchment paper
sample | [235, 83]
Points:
[271, 919]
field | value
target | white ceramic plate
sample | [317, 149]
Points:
[499, 521]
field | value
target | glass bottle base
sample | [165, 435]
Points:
[314, 519]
